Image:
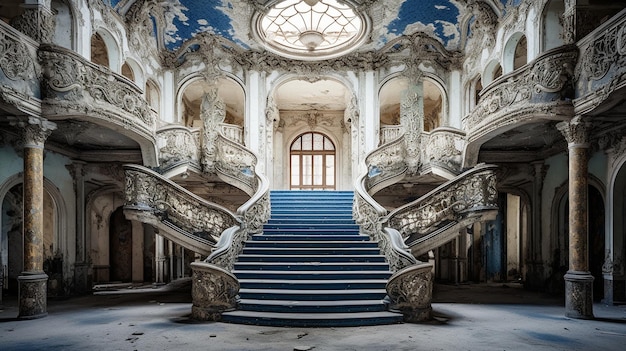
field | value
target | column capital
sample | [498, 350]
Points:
[35, 130]
[576, 131]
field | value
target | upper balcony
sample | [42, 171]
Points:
[19, 72]
[538, 92]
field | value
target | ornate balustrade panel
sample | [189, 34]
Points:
[602, 68]
[178, 144]
[233, 132]
[74, 86]
[367, 214]
[443, 147]
[19, 70]
[389, 133]
[149, 193]
[539, 89]
[471, 192]
[235, 164]
[386, 165]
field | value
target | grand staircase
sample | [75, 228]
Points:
[311, 268]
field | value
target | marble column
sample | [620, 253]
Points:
[578, 279]
[32, 283]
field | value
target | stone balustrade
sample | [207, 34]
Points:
[19, 71]
[443, 148]
[74, 86]
[389, 133]
[469, 198]
[541, 89]
[602, 68]
[233, 132]
[153, 199]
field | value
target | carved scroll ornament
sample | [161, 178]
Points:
[75, 83]
[474, 190]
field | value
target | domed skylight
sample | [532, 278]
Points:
[311, 29]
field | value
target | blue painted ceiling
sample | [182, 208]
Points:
[186, 18]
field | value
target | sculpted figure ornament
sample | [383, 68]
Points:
[212, 114]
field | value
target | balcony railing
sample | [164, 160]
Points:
[233, 132]
[603, 64]
[74, 86]
[19, 70]
[541, 89]
[389, 133]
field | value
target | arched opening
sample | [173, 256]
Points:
[433, 106]
[120, 247]
[127, 71]
[520, 57]
[478, 87]
[12, 242]
[515, 53]
[63, 24]
[228, 91]
[313, 162]
[552, 29]
[616, 252]
[596, 243]
[153, 95]
[492, 71]
[99, 51]
[390, 96]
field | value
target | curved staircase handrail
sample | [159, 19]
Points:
[152, 198]
[386, 165]
[368, 213]
[471, 192]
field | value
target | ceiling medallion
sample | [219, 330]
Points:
[311, 29]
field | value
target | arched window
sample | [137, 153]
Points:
[99, 53]
[313, 161]
[433, 106]
[552, 30]
[152, 95]
[127, 71]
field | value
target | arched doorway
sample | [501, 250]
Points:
[312, 162]
[120, 247]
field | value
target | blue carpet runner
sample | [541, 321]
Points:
[311, 268]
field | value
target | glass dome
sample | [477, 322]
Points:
[311, 29]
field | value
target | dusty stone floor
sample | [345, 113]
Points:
[468, 317]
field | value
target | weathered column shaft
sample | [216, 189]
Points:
[578, 211]
[578, 280]
[33, 209]
[32, 283]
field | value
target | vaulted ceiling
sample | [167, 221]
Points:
[444, 20]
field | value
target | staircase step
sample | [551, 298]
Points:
[309, 275]
[316, 284]
[311, 244]
[300, 237]
[310, 231]
[311, 258]
[345, 306]
[307, 266]
[311, 319]
[350, 251]
[312, 294]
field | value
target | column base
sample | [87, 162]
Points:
[579, 295]
[32, 295]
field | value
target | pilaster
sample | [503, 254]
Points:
[32, 296]
[578, 279]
